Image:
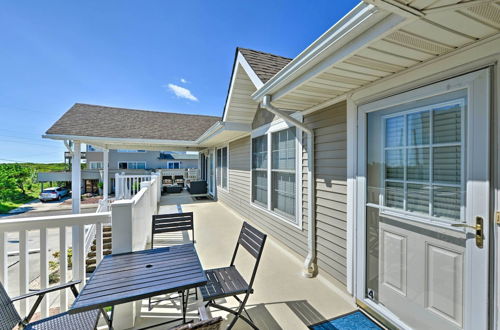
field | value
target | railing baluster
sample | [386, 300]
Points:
[63, 267]
[99, 243]
[4, 262]
[44, 270]
[23, 270]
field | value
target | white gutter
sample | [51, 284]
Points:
[310, 267]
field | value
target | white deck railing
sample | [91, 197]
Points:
[127, 186]
[48, 230]
[187, 173]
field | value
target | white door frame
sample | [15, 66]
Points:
[475, 313]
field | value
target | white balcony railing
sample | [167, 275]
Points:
[48, 234]
[127, 186]
[187, 173]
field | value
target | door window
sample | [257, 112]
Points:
[422, 161]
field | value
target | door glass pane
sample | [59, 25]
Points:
[394, 167]
[418, 164]
[446, 165]
[394, 194]
[446, 202]
[447, 123]
[418, 128]
[394, 128]
[418, 198]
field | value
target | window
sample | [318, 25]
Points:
[222, 162]
[279, 176]
[95, 165]
[126, 150]
[173, 165]
[132, 165]
[422, 154]
[259, 170]
[283, 172]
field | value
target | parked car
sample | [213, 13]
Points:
[52, 194]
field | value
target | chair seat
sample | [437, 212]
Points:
[65, 321]
[223, 282]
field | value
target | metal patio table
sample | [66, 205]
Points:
[127, 277]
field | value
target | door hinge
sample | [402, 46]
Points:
[497, 217]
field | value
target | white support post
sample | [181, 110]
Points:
[122, 233]
[105, 162]
[24, 270]
[4, 262]
[44, 270]
[351, 192]
[76, 178]
[78, 249]
[77, 232]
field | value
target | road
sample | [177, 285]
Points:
[34, 243]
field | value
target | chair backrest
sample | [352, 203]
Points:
[167, 223]
[9, 317]
[253, 241]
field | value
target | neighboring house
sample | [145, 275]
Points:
[122, 161]
[373, 155]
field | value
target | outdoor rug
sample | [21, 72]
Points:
[356, 320]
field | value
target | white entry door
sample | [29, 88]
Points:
[425, 217]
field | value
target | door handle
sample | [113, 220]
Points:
[479, 228]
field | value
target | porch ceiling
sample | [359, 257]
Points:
[391, 47]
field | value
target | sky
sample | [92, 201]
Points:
[173, 56]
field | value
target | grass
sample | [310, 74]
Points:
[17, 198]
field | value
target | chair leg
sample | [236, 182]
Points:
[244, 308]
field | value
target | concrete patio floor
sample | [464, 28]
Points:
[283, 298]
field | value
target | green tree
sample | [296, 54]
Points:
[16, 176]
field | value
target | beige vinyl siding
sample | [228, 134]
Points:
[238, 198]
[330, 144]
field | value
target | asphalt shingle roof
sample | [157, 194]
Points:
[264, 65]
[102, 121]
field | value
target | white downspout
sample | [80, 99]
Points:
[310, 267]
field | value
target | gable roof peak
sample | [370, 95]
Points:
[265, 65]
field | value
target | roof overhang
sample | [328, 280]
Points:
[217, 134]
[372, 43]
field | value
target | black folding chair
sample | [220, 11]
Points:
[9, 317]
[169, 223]
[228, 282]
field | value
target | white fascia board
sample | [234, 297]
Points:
[110, 140]
[240, 60]
[214, 128]
[336, 40]
[249, 71]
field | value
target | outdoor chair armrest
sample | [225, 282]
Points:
[47, 290]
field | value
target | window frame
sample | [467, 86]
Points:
[295, 221]
[218, 167]
[393, 211]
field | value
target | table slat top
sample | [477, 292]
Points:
[126, 277]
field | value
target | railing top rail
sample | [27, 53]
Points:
[54, 221]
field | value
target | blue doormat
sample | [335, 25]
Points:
[352, 321]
